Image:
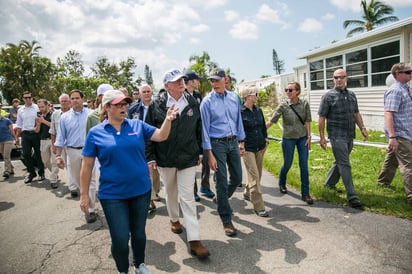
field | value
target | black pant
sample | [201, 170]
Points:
[31, 142]
[205, 174]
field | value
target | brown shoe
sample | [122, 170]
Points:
[176, 227]
[307, 199]
[196, 248]
[230, 230]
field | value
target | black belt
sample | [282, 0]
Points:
[29, 132]
[76, 147]
[225, 139]
[45, 139]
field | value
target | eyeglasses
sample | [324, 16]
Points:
[289, 89]
[406, 72]
[339, 77]
[27, 97]
[253, 94]
[120, 105]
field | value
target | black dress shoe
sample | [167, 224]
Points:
[355, 203]
[283, 189]
[42, 178]
[29, 178]
[74, 193]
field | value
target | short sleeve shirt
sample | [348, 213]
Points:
[398, 101]
[123, 169]
[339, 108]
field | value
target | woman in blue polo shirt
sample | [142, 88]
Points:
[7, 136]
[124, 185]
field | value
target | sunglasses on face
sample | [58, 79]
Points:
[289, 89]
[339, 77]
[409, 72]
[119, 105]
[27, 97]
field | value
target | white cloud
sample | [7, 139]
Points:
[200, 28]
[328, 16]
[352, 5]
[231, 15]
[266, 13]
[194, 41]
[355, 6]
[244, 30]
[310, 25]
[398, 3]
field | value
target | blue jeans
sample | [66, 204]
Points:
[226, 153]
[341, 148]
[288, 149]
[127, 217]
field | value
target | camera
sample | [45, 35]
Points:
[39, 114]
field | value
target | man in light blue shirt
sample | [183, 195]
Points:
[71, 134]
[223, 142]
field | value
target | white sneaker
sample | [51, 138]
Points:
[142, 269]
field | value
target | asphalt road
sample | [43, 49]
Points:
[43, 231]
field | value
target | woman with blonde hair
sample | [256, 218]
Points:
[255, 147]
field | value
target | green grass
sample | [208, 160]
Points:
[366, 163]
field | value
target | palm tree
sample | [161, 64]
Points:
[374, 14]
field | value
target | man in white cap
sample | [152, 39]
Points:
[177, 157]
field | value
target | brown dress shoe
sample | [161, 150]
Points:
[176, 227]
[196, 248]
[230, 230]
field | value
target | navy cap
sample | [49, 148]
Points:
[190, 75]
[217, 74]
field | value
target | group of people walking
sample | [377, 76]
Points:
[124, 151]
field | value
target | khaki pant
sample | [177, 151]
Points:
[49, 159]
[404, 156]
[253, 163]
[179, 190]
[155, 183]
[389, 167]
[5, 150]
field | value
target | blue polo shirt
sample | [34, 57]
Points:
[123, 169]
[5, 134]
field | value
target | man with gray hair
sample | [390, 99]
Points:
[65, 104]
[138, 110]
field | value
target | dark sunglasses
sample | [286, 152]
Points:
[27, 97]
[289, 89]
[339, 77]
[120, 105]
[406, 72]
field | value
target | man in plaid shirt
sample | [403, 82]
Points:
[339, 108]
[398, 123]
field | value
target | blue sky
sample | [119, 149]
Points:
[237, 34]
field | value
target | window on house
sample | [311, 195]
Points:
[357, 68]
[382, 58]
[362, 71]
[316, 75]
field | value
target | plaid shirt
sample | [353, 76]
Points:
[339, 108]
[398, 100]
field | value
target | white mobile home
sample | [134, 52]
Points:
[367, 58]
